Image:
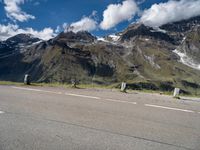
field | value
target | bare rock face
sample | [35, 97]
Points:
[182, 26]
[81, 36]
[191, 44]
[157, 59]
[140, 30]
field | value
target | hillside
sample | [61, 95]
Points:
[146, 58]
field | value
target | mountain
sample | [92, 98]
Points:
[22, 39]
[187, 32]
[144, 31]
[11, 54]
[144, 57]
[16, 43]
[81, 36]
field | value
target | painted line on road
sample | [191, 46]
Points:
[28, 89]
[169, 108]
[119, 101]
[36, 90]
[2, 112]
[76, 95]
[98, 98]
[84, 96]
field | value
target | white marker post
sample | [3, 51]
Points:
[27, 79]
[176, 93]
[123, 87]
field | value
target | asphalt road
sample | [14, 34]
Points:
[41, 118]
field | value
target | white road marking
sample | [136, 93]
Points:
[98, 98]
[1, 112]
[85, 96]
[28, 89]
[119, 101]
[169, 108]
[92, 97]
[36, 90]
[71, 94]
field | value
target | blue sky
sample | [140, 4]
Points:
[53, 14]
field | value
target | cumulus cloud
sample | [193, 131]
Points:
[171, 11]
[45, 34]
[10, 30]
[85, 24]
[117, 13]
[14, 12]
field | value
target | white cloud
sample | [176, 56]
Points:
[85, 24]
[45, 34]
[171, 11]
[140, 1]
[117, 13]
[58, 29]
[14, 12]
[7, 31]
[10, 30]
[65, 27]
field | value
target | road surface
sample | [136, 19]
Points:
[44, 118]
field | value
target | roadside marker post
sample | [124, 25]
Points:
[123, 87]
[27, 79]
[176, 93]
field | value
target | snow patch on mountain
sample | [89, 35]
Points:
[102, 39]
[187, 60]
[158, 30]
[115, 38]
[151, 60]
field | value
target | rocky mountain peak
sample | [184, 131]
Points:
[182, 26]
[22, 39]
[81, 36]
[140, 30]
